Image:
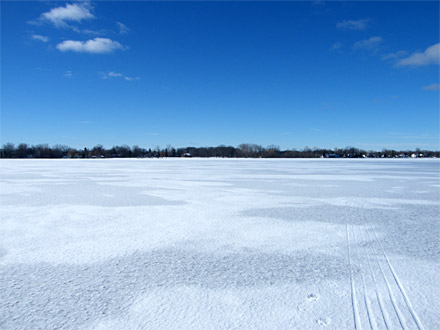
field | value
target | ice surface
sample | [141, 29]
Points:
[219, 244]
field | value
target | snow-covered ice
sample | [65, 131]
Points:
[219, 244]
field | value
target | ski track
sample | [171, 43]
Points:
[383, 312]
[370, 314]
[401, 287]
[396, 310]
[390, 291]
[354, 303]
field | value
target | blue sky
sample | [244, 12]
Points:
[293, 74]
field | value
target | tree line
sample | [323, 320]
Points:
[244, 150]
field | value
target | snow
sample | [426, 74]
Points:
[219, 244]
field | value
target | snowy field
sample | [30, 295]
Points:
[219, 244]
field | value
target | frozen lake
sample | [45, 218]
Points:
[219, 244]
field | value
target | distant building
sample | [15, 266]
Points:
[332, 156]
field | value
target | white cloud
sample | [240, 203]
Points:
[123, 29]
[59, 16]
[68, 74]
[370, 44]
[394, 56]
[430, 56]
[40, 37]
[114, 74]
[359, 25]
[432, 87]
[117, 75]
[96, 46]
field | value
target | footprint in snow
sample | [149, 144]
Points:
[341, 293]
[312, 297]
[302, 306]
[305, 305]
[324, 321]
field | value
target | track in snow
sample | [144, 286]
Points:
[379, 299]
[354, 302]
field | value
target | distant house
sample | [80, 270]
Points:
[332, 156]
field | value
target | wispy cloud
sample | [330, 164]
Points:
[95, 46]
[360, 24]
[395, 55]
[432, 87]
[40, 37]
[123, 29]
[336, 46]
[430, 56]
[370, 44]
[68, 74]
[60, 16]
[113, 74]
[319, 7]
[88, 31]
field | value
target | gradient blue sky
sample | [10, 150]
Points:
[294, 74]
